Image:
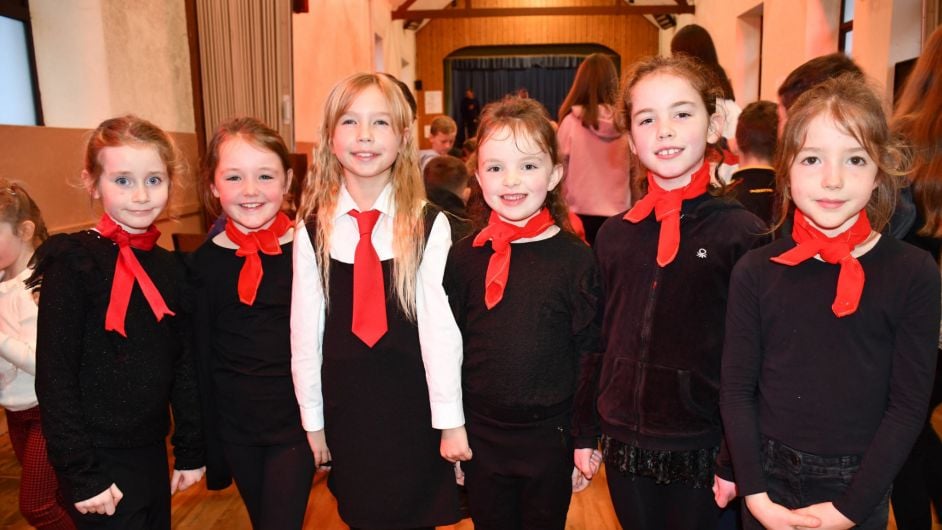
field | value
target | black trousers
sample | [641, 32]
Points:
[643, 504]
[142, 476]
[274, 482]
[520, 476]
[797, 479]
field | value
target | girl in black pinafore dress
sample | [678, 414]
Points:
[382, 400]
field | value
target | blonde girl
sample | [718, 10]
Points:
[376, 353]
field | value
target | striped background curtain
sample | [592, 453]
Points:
[245, 49]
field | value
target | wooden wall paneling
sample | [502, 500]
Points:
[630, 36]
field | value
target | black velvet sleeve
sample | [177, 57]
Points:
[587, 322]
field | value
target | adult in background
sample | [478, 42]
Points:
[468, 116]
[695, 41]
[594, 150]
[918, 118]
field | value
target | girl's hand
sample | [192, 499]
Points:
[831, 518]
[454, 445]
[777, 517]
[587, 461]
[318, 442]
[104, 503]
[723, 491]
[184, 478]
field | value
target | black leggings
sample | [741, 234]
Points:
[274, 482]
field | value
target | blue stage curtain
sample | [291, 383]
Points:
[546, 78]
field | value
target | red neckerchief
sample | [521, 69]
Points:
[501, 233]
[835, 250]
[126, 271]
[250, 244]
[666, 207]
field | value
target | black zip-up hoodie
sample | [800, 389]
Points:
[655, 383]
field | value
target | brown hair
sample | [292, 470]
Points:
[319, 197]
[919, 118]
[596, 83]
[695, 41]
[446, 172]
[443, 124]
[523, 117]
[855, 108]
[815, 71]
[16, 207]
[135, 131]
[757, 129]
[682, 66]
[250, 130]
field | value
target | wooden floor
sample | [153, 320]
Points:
[199, 509]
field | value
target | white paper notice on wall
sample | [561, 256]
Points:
[433, 102]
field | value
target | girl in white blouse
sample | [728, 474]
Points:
[376, 353]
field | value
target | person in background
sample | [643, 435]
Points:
[753, 184]
[442, 137]
[594, 150]
[446, 185]
[470, 111]
[918, 118]
[22, 229]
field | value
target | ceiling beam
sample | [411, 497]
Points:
[682, 3]
[469, 12]
[403, 8]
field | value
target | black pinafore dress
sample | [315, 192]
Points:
[387, 471]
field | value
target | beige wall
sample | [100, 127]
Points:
[48, 161]
[794, 31]
[338, 38]
[100, 58]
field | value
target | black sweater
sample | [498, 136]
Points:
[243, 355]
[656, 383]
[97, 388]
[857, 385]
[525, 353]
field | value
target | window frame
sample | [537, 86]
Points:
[844, 28]
[19, 10]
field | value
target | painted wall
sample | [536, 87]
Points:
[48, 161]
[794, 31]
[100, 58]
[337, 38]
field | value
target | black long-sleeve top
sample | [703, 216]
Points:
[243, 355]
[525, 353]
[857, 385]
[97, 388]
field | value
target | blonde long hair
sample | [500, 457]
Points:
[319, 197]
